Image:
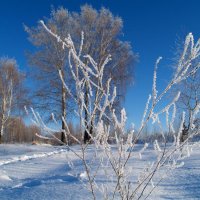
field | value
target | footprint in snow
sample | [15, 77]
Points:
[47, 180]
[4, 177]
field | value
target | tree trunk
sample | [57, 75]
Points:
[88, 127]
[184, 134]
[2, 127]
[63, 135]
[1, 131]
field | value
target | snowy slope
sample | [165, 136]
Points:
[44, 172]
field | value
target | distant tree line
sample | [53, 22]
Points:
[17, 132]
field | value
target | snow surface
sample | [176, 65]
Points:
[48, 172]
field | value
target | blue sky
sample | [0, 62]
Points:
[152, 27]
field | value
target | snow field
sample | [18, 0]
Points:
[46, 172]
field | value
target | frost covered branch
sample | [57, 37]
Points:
[110, 126]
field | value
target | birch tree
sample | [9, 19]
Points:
[12, 93]
[102, 33]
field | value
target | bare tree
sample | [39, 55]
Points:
[189, 99]
[12, 92]
[102, 35]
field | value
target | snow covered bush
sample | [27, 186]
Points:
[114, 162]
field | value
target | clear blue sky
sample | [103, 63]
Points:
[152, 27]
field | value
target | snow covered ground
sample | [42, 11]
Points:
[43, 172]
